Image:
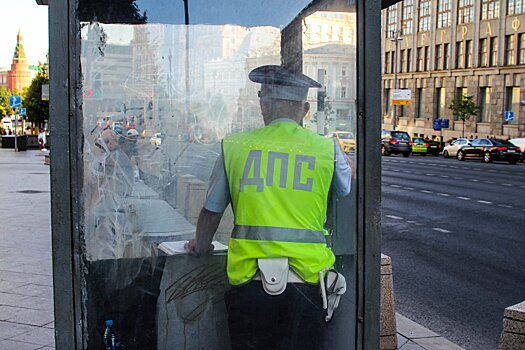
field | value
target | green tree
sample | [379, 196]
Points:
[37, 110]
[4, 102]
[463, 107]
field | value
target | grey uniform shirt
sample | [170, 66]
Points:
[218, 195]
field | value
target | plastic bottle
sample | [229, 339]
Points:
[110, 338]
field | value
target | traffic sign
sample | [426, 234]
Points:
[509, 116]
[22, 111]
[15, 101]
[445, 123]
[401, 96]
[437, 124]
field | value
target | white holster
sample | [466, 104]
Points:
[333, 285]
[273, 273]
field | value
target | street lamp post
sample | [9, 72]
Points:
[396, 39]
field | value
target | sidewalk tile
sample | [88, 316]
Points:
[38, 335]
[10, 329]
[32, 317]
[438, 343]
[410, 345]
[411, 329]
[16, 345]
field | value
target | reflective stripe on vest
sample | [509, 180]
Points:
[281, 234]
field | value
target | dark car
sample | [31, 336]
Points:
[395, 142]
[489, 150]
[433, 147]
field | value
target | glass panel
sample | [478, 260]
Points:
[172, 122]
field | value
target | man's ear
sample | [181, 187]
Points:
[306, 107]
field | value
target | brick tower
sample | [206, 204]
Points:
[19, 76]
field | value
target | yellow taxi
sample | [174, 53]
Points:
[346, 140]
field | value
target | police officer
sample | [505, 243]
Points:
[277, 179]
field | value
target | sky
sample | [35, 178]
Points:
[32, 21]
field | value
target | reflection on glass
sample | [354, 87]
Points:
[157, 101]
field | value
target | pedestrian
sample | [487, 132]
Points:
[42, 140]
[277, 179]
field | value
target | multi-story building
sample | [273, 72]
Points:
[440, 49]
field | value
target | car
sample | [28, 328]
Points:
[451, 150]
[433, 147]
[395, 142]
[489, 150]
[156, 139]
[419, 146]
[346, 140]
[520, 142]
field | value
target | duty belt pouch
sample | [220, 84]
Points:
[274, 274]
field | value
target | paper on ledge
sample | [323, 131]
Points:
[177, 247]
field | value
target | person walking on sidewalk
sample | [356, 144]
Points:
[278, 180]
[42, 140]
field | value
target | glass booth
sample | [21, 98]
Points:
[142, 95]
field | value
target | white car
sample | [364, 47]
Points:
[451, 150]
[520, 142]
[156, 139]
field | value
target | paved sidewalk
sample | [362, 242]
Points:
[26, 293]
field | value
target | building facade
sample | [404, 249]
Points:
[19, 76]
[441, 49]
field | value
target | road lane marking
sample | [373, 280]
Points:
[429, 174]
[396, 186]
[413, 222]
[463, 198]
[443, 194]
[474, 180]
[489, 182]
[425, 191]
[409, 188]
[506, 184]
[484, 202]
[394, 217]
[444, 176]
[440, 230]
[504, 206]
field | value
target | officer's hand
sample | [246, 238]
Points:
[193, 248]
[350, 162]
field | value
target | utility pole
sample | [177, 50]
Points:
[396, 39]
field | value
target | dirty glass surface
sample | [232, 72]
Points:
[158, 96]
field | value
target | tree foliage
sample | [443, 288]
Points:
[464, 107]
[5, 110]
[37, 110]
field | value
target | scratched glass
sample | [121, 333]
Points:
[158, 98]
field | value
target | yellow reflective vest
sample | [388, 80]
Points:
[279, 178]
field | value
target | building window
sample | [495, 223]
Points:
[521, 49]
[493, 51]
[468, 53]
[343, 71]
[388, 106]
[443, 13]
[420, 103]
[409, 60]
[440, 102]
[465, 11]
[489, 9]
[446, 55]
[403, 60]
[387, 62]
[484, 52]
[420, 59]
[485, 104]
[461, 91]
[343, 92]
[509, 50]
[393, 62]
[427, 58]
[438, 59]
[460, 54]
[424, 15]
[515, 7]
[407, 19]
[513, 100]
[391, 21]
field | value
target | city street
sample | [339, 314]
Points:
[455, 233]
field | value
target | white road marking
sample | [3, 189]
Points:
[489, 182]
[506, 184]
[406, 171]
[425, 191]
[429, 174]
[443, 194]
[409, 188]
[458, 178]
[394, 217]
[396, 186]
[504, 206]
[445, 176]
[413, 222]
[440, 230]
[474, 180]
[484, 202]
[464, 198]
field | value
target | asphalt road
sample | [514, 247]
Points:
[456, 234]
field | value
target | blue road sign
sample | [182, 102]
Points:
[445, 123]
[15, 101]
[509, 116]
[22, 111]
[437, 124]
